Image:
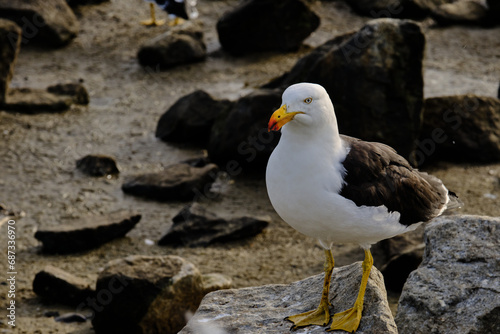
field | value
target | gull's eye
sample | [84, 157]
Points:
[308, 100]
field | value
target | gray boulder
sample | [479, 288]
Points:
[260, 310]
[190, 119]
[460, 128]
[461, 12]
[173, 48]
[146, 294]
[179, 182]
[10, 44]
[195, 226]
[456, 289]
[48, 22]
[374, 77]
[58, 286]
[264, 25]
[87, 233]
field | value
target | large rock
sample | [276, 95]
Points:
[48, 22]
[415, 9]
[494, 10]
[10, 44]
[460, 128]
[190, 119]
[266, 25]
[456, 289]
[374, 77]
[461, 12]
[195, 226]
[179, 182]
[173, 48]
[263, 309]
[239, 139]
[88, 233]
[58, 286]
[146, 294]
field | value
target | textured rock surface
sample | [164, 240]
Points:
[179, 182]
[239, 139]
[88, 233]
[58, 286]
[395, 9]
[263, 309]
[174, 48]
[153, 294]
[48, 22]
[456, 289]
[190, 119]
[260, 25]
[10, 43]
[374, 78]
[97, 165]
[460, 128]
[461, 12]
[196, 226]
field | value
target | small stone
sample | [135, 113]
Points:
[97, 165]
[147, 294]
[51, 314]
[86, 234]
[76, 90]
[263, 309]
[173, 48]
[34, 101]
[461, 12]
[58, 286]
[214, 282]
[10, 44]
[179, 182]
[202, 228]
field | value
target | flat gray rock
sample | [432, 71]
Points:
[86, 234]
[262, 309]
[456, 289]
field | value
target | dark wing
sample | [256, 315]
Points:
[377, 175]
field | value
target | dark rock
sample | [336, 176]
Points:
[174, 48]
[494, 11]
[151, 295]
[400, 266]
[461, 12]
[71, 317]
[263, 309]
[87, 233]
[97, 165]
[239, 139]
[34, 101]
[75, 90]
[460, 128]
[51, 314]
[195, 227]
[191, 118]
[456, 289]
[10, 44]
[414, 9]
[374, 78]
[55, 285]
[197, 162]
[179, 182]
[48, 22]
[263, 25]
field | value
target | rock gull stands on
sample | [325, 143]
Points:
[340, 189]
[180, 9]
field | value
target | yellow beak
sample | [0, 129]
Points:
[280, 117]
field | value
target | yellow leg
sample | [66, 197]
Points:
[321, 315]
[349, 319]
[152, 21]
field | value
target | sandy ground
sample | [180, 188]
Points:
[38, 152]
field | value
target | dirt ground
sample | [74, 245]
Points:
[38, 152]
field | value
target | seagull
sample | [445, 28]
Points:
[180, 9]
[341, 189]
